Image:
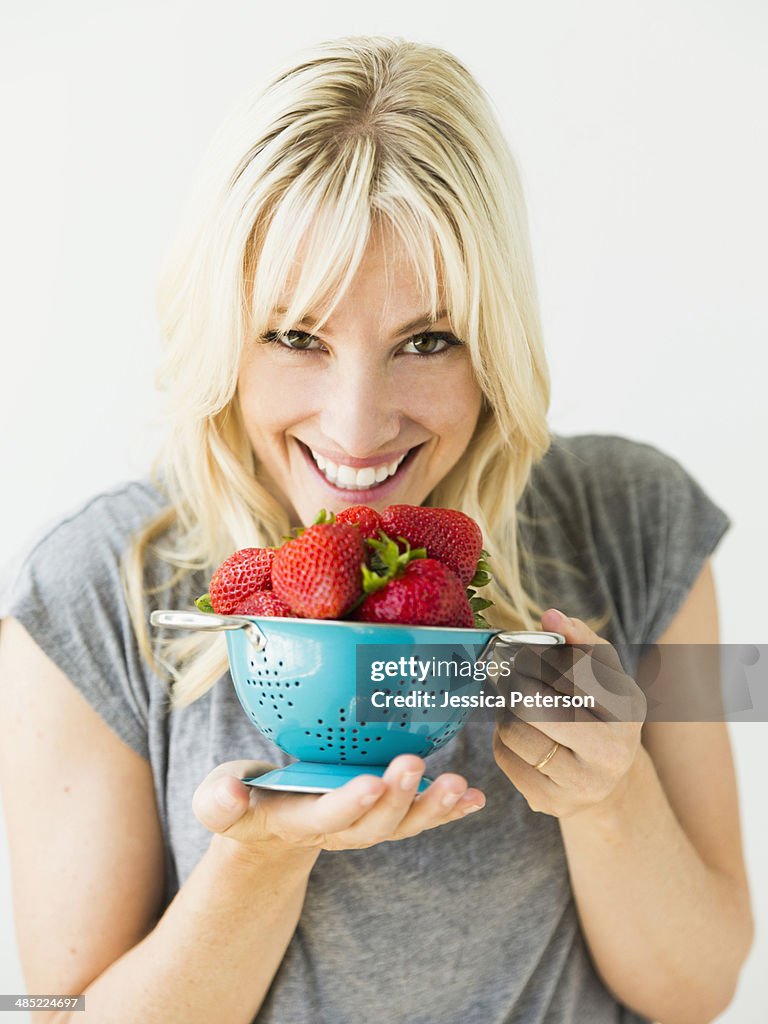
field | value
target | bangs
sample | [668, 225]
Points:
[320, 228]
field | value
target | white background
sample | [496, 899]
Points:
[640, 132]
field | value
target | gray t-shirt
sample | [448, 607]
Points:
[471, 922]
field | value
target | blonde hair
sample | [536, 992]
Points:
[359, 133]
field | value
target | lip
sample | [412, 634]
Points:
[347, 460]
[369, 495]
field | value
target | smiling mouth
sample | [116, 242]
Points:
[347, 478]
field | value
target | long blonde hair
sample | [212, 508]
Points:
[358, 133]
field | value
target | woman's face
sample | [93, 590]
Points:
[374, 408]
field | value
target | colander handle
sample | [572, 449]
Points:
[519, 637]
[211, 622]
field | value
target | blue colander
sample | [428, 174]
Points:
[298, 680]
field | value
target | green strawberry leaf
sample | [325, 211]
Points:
[295, 533]
[372, 581]
[387, 561]
[410, 553]
[478, 604]
[480, 579]
[203, 603]
[482, 571]
[386, 555]
[322, 516]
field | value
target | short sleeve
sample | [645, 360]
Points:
[633, 522]
[683, 534]
[67, 594]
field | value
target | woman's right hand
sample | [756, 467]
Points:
[361, 813]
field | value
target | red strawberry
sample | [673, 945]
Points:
[318, 574]
[367, 520]
[448, 535]
[263, 602]
[426, 594]
[241, 575]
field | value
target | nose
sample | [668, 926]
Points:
[361, 413]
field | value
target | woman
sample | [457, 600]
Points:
[354, 290]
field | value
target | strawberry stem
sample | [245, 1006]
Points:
[388, 561]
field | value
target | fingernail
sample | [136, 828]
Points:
[450, 799]
[409, 780]
[226, 798]
[556, 617]
[471, 808]
[369, 798]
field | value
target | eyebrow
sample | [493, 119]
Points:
[310, 321]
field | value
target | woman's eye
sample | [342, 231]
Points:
[430, 344]
[296, 341]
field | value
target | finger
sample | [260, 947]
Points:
[530, 701]
[522, 775]
[592, 673]
[532, 745]
[552, 665]
[617, 695]
[575, 631]
[304, 815]
[401, 778]
[222, 799]
[589, 738]
[550, 668]
[447, 799]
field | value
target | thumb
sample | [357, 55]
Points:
[219, 801]
[574, 630]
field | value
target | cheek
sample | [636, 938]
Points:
[271, 398]
[447, 402]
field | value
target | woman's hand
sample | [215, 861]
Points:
[591, 754]
[365, 811]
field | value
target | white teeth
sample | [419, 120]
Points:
[346, 476]
[352, 479]
[365, 477]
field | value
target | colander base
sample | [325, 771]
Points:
[313, 777]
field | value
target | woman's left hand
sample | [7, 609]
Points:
[593, 751]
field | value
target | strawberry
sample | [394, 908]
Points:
[241, 575]
[318, 574]
[427, 593]
[448, 535]
[263, 602]
[366, 519]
